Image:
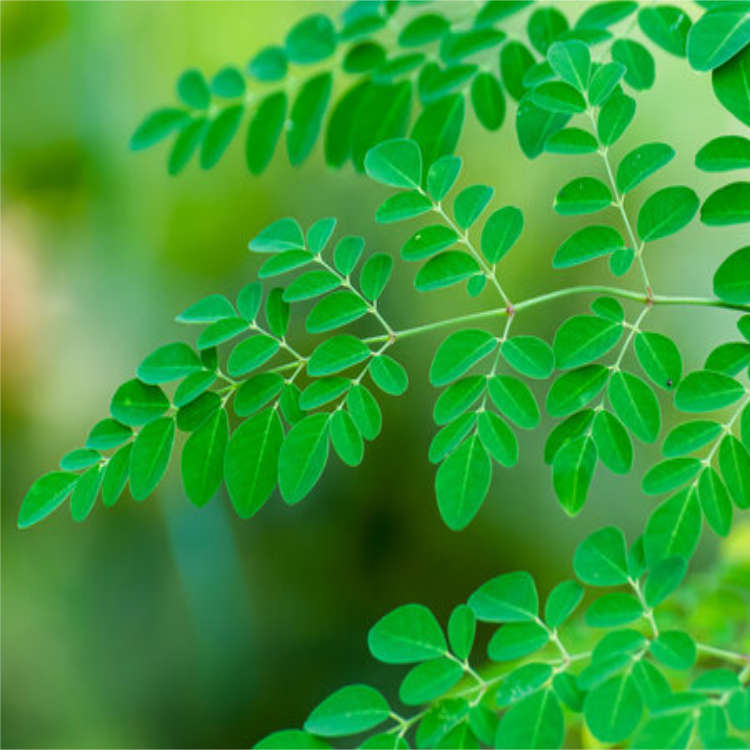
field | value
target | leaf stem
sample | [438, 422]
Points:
[722, 653]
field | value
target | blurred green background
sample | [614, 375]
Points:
[159, 625]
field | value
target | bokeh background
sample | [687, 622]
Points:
[159, 625]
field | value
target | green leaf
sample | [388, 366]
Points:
[388, 375]
[573, 390]
[106, 434]
[516, 640]
[514, 399]
[365, 411]
[640, 163]
[186, 144]
[363, 57]
[718, 35]
[289, 403]
[601, 558]
[251, 295]
[535, 125]
[666, 212]
[730, 358]
[347, 254]
[615, 643]
[157, 126]
[429, 680]
[544, 26]
[470, 203]
[712, 725]
[732, 278]
[614, 117]
[515, 61]
[558, 96]
[340, 131]
[462, 482]
[311, 40]
[669, 475]
[739, 709]
[250, 354]
[337, 354]
[202, 460]
[268, 65]
[438, 127]
[612, 610]
[407, 635]
[311, 284]
[461, 628]
[303, 457]
[714, 500]
[586, 244]
[635, 404]
[501, 231]
[608, 308]
[659, 358]
[584, 195]
[251, 460]
[402, 206]
[221, 331]
[428, 241]
[670, 731]
[306, 116]
[734, 462]
[78, 459]
[116, 474]
[445, 269]
[689, 437]
[561, 602]
[716, 681]
[567, 690]
[621, 260]
[334, 311]
[639, 64]
[151, 451]
[458, 353]
[441, 176]
[530, 355]
[510, 597]
[346, 438]
[612, 443]
[219, 135]
[602, 15]
[284, 234]
[44, 496]
[423, 29]
[730, 85]
[535, 721]
[667, 26]
[727, 205]
[572, 62]
[323, 391]
[277, 312]
[352, 709]
[228, 83]
[674, 528]
[582, 339]
[525, 680]
[663, 579]
[571, 141]
[613, 709]
[84, 493]
[458, 397]
[603, 82]
[724, 153]
[396, 162]
[375, 274]
[441, 722]
[488, 100]
[705, 390]
[208, 310]
[264, 131]
[136, 403]
[256, 392]
[191, 416]
[497, 438]
[674, 649]
[651, 683]
[193, 89]
[291, 739]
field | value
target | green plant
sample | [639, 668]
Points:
[294, 406]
